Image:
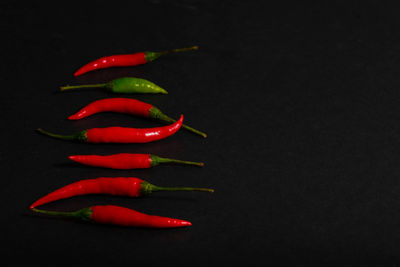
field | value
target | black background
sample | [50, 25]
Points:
[300, 103]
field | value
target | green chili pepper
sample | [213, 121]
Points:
[125, 85]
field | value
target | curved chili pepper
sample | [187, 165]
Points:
[126, 85]
[120, 134]
[116, 215]
[129, 106]
[126, 60]
[125, 161]
[117, 186]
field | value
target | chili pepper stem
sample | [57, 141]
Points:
[72, 87]
[157, 114]
[168, 160]
[155, 160]
[148, 188]
[178, 50]
[55, 213]
[81, 136]
[150, 56]
[159, 188]
[83, 214]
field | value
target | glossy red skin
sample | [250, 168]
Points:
[117, 215]
[132, 135]
[123, 60]
[122, 161]
[121, 105]
[116, 186]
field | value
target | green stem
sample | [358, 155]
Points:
[81, 136]
[148, 188]
[157, 114]
[150, 56]
[178, 50]
[168, 160]
[72, 87]
[155, 160]
[158, 188]
[168, 119]
[83, 214]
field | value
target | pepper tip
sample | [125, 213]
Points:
[77, 73]
[186, 223]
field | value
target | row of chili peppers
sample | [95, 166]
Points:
[121, 186]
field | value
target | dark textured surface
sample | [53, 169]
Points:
[300, 103]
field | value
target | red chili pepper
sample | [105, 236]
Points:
[129, 106]
[126, 60]
[117, 186]
[125, 161]
[116, 215]
[120, 134]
